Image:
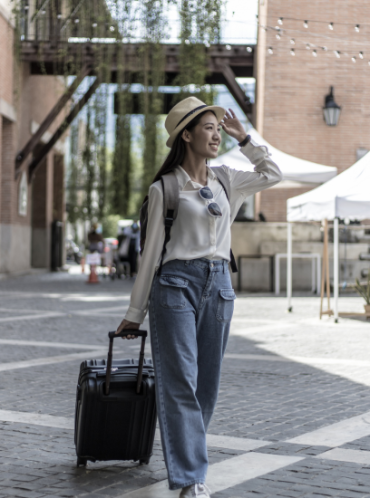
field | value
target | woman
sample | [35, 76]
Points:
[191, 300]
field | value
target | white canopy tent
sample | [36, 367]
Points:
[345, 196]
[293, 168]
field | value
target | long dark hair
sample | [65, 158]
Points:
[178, 149]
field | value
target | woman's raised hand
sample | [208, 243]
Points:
[125, 324]
[232, 126]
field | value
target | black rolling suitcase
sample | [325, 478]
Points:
[115, 415]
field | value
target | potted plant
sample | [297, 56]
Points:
[364, 291]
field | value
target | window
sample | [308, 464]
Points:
[23, 195]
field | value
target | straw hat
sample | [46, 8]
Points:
[183, 112]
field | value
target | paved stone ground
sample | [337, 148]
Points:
[285, 375]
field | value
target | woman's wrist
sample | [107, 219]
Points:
[243, 140]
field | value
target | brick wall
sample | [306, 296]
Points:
[25, 100]
[7, 172]
[291, 98]
[9, 186]
[38, 96]
[1, 157]
[6, 60]
[273, 201]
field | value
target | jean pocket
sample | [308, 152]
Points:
[171, 291]
[225, 306]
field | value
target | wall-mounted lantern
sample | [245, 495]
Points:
[331, 109]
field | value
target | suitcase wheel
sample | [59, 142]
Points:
[144, 462]
[81, 461]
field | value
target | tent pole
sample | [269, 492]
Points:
[289, 267]
[327, 267]
[323, 268]
[336, 268]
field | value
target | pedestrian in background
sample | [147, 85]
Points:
[95, 240]
[191, 300]
[134, 247]
[129, 246]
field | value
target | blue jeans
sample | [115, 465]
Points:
[191, 307]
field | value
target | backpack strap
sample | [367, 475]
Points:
[171, 200]
[224, 179]
[143, 222]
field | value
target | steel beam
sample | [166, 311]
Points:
[71, 15]
[236, 91]
[62, 128]
[36, 137]
[224, 63]
[40, 10]
[45, 58]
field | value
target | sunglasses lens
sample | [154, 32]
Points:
[214, 209]
[206, 193]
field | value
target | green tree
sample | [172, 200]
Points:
[153, 77]
[73, 179]
[200, 26]
[101, 104]
[121, 168]
[89, 166]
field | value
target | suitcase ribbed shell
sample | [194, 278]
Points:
[120, 425]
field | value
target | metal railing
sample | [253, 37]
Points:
[61, 20]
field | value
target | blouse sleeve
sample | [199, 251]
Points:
[266, 173]
[152, 251]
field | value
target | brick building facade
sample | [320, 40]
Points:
[290, 92]
[291, 89]
[26, 210]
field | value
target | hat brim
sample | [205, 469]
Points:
[219, 111]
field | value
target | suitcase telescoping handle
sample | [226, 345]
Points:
[112, 335]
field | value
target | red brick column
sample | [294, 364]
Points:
[1, 156]
[58, 188]
[59, 196]
[8, 185]
[42, 213]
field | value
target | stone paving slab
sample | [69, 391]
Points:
[52, 464]
[280, 401]
[359, 444]
[10, 353]
[70, 328]
[308, 478]
[260, 400]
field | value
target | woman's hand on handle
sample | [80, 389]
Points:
[125, 324]
[232, 126]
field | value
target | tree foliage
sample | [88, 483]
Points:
[96, 188]
[364, 290]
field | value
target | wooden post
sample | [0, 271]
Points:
[325, 273]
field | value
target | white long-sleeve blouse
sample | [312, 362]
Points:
[195, 233]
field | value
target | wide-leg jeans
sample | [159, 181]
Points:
[190, 310]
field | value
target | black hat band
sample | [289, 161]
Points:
[190, 113]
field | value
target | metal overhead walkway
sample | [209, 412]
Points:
[51, 49]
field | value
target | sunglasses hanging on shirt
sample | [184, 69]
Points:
[212, 207]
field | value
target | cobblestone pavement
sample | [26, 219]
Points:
[293, 417]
